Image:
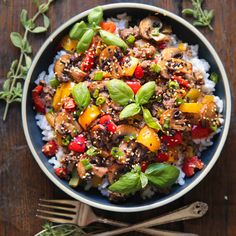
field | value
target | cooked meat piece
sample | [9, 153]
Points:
[116, 197]
[99, 171]
[143, 49]
[124, 33]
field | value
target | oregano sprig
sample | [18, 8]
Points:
[202, 17]
[12, 86]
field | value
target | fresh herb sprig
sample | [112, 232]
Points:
[69, 230]
[202, 17]
[12, 86]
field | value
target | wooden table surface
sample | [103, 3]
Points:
[22, 183]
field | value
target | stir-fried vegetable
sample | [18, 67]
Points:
[127, 109]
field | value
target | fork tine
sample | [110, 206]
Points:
[58, 207]
[67, 202]
[57, 213]
[55, 219]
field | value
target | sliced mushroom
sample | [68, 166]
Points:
[179, 66]
[147, 27]
[167, 54]
[177, 119]
[65, 123]
[60, 65]
[77, 74]
[123, 130]
[109, 60]
[171, 52]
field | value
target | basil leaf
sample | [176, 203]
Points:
[81, 95]
[127, 184]
[130, 110]
[112, 39]
[145, 93]
[120, 92]
[143, 179]
[150, 121]
[16, 39]
[162, 175]
[95, 15]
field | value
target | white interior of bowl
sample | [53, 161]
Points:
[204, 172]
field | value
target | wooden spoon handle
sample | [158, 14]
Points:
[195, 210]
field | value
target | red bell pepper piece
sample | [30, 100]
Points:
[162, 157]
[61, 172]
[144, 166]
[172, 141]
[190, 164]
[78, 144]
[138, 73]
[88, 60]
[199, 132]
[50, 148]
[108, 26]
[134, 85]
[106, 121]
[37, 100]
[182, 81]
[162, 46]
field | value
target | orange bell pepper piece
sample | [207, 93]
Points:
[190, 107]
[149, 138]
[88, 116]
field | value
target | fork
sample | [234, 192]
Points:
[83, 215]
[78, 213]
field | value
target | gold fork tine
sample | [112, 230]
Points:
[66, 202]
[72, 216]
[58, 207]
[55, 219]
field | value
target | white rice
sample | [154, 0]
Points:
[47, 132]
[103, 187]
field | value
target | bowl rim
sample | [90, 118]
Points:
[203, 173]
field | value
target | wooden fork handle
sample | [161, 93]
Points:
[195, 210]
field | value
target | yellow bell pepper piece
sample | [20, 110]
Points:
[207, 99]
[129, 68]
[172, 154]
[50, 117]
[149, 138]
[69, 44]
[182, 46]
[190, 107]
[88, 116]
[193, 94]
[62, 91]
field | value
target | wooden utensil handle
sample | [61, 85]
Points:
[195, 210]
[148, 231]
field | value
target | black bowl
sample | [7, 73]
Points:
[44, 58]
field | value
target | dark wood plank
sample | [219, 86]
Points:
[21, 181]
